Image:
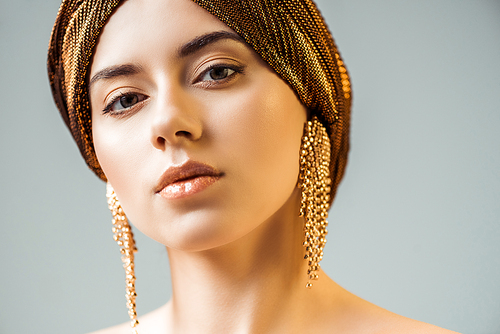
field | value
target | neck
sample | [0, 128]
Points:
[243, 284]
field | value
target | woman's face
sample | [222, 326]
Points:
[198, 136]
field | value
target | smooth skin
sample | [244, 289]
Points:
[235, 248]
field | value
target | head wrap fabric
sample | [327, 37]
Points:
[74, 36]
[290, 35]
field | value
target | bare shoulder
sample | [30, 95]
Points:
[361, 316]
[118, 329]
[394, 323]
[152, 323]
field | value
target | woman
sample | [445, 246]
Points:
[215, 123]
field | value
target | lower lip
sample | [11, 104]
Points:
[188, 187]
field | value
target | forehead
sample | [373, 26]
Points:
[140, 28]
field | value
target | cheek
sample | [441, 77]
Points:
[120, 153]
[263, 136]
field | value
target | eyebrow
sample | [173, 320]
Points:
[202, 41]
[187, 49]
[115, 71]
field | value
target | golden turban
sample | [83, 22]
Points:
[290, 35]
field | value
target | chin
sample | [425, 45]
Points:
[194, 231]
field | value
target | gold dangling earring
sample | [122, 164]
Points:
[315, 184]
[125, 238]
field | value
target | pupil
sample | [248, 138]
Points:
[218, 73]
[128, 101]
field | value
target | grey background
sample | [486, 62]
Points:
[414, 228]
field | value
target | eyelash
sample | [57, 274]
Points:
[108, 108]
[207, 83]
[235, 68]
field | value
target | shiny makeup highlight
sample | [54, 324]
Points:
[186, 180]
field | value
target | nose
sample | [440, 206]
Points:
[175, 121]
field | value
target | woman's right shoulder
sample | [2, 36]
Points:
[118, 329]
[157, 321]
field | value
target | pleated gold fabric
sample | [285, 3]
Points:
[290, 35]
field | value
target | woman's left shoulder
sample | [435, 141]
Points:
[352, 314]
[400, 324]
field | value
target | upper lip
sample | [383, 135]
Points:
[188, 170]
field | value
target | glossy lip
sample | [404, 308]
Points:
[187, 179]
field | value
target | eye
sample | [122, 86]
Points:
[217, 73]
[123, 102]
